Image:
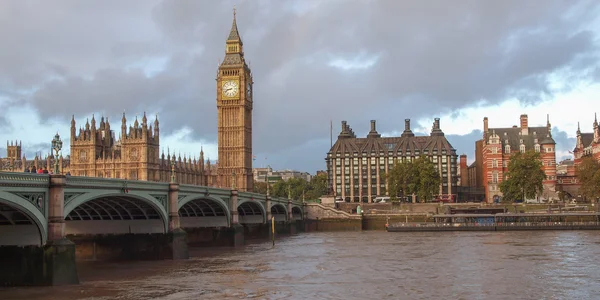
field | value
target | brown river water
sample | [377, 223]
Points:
[356, 265]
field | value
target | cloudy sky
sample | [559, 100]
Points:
[313, 62]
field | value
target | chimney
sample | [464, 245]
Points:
[343, 126]
[464, 171]
[373, 132]
[407, 132]
[524, 125]
[485, 124]
[485, 128]
[436, 131]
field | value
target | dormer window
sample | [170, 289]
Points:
[507, 148]
[522, 148]
[537, 148]
[535, 140]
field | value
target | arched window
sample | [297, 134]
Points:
[522, 148]
[507, 148]
[537, 148]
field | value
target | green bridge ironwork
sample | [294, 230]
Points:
[89, 198]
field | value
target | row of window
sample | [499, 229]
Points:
[382, 160]
[494, 163]
[522, 149]
[407, 152]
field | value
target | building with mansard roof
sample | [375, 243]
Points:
[355, 165]
[500, 143]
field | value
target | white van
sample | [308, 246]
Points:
[381, 199]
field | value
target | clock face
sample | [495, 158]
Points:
[230, 88]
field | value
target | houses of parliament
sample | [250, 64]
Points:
[136, 155]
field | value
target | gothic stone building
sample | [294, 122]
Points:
[355, 165]
[234, 107]
[135, 155]
[500, 143]
[95, 152]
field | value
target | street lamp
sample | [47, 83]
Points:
[267, 179]
[57, 146]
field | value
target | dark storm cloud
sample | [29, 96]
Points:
[429, 57]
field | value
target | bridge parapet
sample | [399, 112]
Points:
[12, 179]
[93, 182]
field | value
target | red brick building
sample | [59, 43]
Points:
[588, 144]
[566, 179]
[498, 144]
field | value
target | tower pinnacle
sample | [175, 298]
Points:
[233, 33]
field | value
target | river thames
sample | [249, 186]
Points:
[356, 265]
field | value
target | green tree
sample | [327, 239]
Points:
[428, 178]
[317, 187]
[279, 189]
[524, 176]
[588, 174]
[293, 187]
[260, 187]
[420, 177]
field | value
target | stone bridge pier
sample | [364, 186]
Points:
[52, 263]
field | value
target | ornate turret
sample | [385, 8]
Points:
[123, 127]
[156, 130]
[596, 130]
[73, 128]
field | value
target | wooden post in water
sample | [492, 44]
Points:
[273, 229]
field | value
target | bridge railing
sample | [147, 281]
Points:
[80, 181]
[12, 177]
[190, 188]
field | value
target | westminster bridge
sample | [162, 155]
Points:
[46, 221]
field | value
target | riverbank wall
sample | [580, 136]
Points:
[407, 227]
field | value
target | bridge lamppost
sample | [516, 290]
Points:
[267, 185]
[56, 146]
[267, 179]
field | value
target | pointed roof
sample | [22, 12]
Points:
[234, 35]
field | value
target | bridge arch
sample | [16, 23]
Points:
[251, 212]
[203, 211]
[279, 211]
[115, 212]
[297, 213]
[32, 225]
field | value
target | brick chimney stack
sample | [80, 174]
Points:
[485, 129]
[524, 125]
[464, 172]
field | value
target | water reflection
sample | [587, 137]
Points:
[357, 265]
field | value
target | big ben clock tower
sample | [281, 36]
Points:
[234, 105]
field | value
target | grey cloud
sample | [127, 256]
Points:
[433, 57]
